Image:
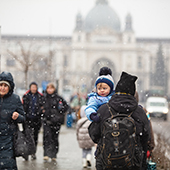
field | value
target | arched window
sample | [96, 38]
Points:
[129, 39]
[65, 61]
[139, 62]
[10, 62]
[79, 38]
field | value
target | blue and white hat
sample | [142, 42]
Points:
[106, 79]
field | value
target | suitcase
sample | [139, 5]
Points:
[69, 120]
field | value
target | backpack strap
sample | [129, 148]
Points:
[115, 115]
[112, 115]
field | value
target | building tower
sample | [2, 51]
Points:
[128, 34]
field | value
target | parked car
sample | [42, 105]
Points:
[157, 107]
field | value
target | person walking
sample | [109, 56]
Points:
[83, 138]
[53, 116]
[122, 102]
[76, 102]
[11, 112]
[151, 141]
[33, 104]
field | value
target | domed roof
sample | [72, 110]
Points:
[102, 15]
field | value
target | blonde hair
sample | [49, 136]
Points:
[99, 85]
[50, 85]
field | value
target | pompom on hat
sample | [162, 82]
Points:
[105, 71]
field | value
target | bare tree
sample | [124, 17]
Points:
[51, 54]
[47, 64]
[27, 55]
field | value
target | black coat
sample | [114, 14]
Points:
[27, 102]
[123, 104]
[8, 104]
[55, 107]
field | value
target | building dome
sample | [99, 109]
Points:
[102, 15]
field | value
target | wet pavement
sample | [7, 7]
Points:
[68, 158]
[70, 155]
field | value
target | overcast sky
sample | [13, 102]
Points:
[57, 17]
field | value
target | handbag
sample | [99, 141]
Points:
[30, 140]
[20, 144]
[151, 165]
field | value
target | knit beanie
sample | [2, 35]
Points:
[126, 84]
[105, 79]
[5, 82]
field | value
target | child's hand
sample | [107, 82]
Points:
[95, 117]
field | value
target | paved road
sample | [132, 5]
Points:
[68, 158]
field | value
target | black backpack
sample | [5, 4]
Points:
[119, 147]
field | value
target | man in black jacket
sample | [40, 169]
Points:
[33, 102]
[122, 102]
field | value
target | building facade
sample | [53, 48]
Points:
[98, 40]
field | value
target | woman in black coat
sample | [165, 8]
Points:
[11, 112]
[122, 102]
[54, 111]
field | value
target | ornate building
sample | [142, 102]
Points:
[98, 40]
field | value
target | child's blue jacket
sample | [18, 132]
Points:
[94, 102]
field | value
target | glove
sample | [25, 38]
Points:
[95, 117]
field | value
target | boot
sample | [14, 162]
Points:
[84, 163]
[53, 159]
[25, 157]
[46, 158]
[33, 156]
[88, 158]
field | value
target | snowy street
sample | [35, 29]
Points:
[68, 158]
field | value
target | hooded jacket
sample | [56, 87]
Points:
[8, 104]
[83, 137]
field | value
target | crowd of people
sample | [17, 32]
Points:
[103, 108]
[34, 110]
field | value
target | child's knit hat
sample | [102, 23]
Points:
[106, 79]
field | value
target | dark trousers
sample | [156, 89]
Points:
[50, 140]
[34, 126]
[35, 133]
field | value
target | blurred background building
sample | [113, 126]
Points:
[98, 40]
